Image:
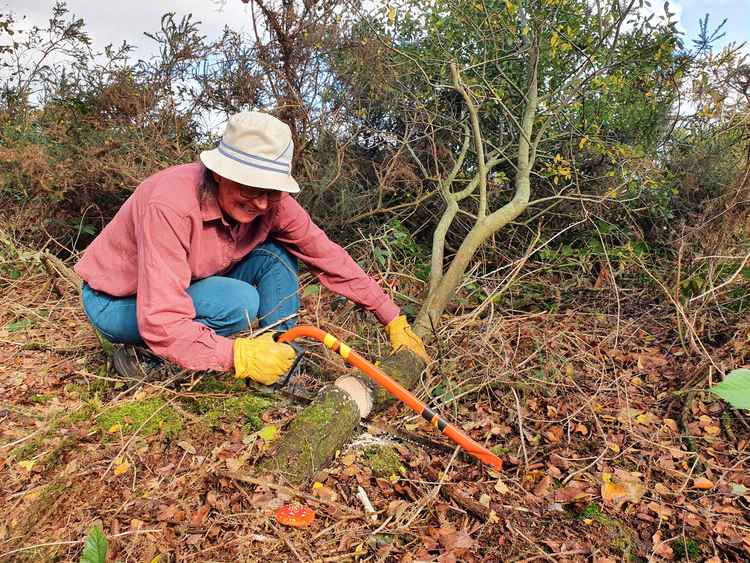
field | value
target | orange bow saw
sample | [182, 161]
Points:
[402, 394]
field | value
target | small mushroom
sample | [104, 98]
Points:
[295, 515]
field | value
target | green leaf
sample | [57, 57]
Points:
[95, 546]
[735, 389]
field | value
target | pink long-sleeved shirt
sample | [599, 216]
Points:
[164, 237]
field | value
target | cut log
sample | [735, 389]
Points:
[326, 425]
[312, 439]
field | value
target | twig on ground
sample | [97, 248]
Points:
[365, 500]
[520, 428]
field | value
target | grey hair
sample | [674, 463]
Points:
[208, 186]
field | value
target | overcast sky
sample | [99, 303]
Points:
[113, 22]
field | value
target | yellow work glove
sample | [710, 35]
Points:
[262, 359]
[400, 334]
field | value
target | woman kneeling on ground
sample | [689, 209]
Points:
[200, 250]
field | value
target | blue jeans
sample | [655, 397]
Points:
[263, 285]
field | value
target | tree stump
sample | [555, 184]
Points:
[327, 424]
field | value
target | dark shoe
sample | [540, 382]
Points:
[134, 362]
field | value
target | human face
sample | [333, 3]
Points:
[244, 203]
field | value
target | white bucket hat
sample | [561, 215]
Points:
[256, 150]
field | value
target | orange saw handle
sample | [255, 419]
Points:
[402, 394]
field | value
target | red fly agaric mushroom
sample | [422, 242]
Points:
[295, 515]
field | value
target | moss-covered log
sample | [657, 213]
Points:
[313, 437]
[329, 422]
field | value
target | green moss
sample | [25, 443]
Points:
[40, 398]
[383, 460]
[56, 455]
[56, 422]
[623, 541]
[87, 391]
[230, 409]
[27, 450]
[214, 385]
[686, 548]
[152, 414]
[593, 512]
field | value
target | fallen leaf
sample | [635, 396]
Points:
[712, 430]
[739, 489]
[325, 493]
[621, 488]
[501, 487]
[664, 512]
[171, 513]
[559, 461]
[662, 489]
[484, 500]
[671, 424]
[554, 434]
[554, 471]
[234, 463]
[121, 468]
[542, 488]
[27, 464]
[116, 427]
[703, 483]
[455, 540]
[661, 548]
[647, 419]
[187, 446]
[268, 433]
[199, 516]
[570, 494]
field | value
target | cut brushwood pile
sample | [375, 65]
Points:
[613, 449]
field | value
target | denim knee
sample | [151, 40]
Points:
[279, 251]
[226, 305]
[114, 317]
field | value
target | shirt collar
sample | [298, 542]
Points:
[210, 210]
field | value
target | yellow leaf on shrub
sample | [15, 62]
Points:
[391, 14]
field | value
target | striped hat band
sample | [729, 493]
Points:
[279, 165]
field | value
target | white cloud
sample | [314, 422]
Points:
[113, 22]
